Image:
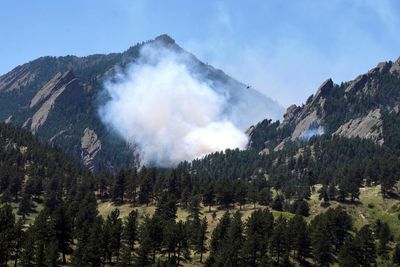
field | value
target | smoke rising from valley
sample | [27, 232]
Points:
[171, 112]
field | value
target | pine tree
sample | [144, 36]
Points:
[321, 241]
[182, 250]
[7, 222]
[383, 234]
[145, 243]
[200, 244]
[220, 232]
[63, 230]
[25, 206]
[131, 229]
[209, 196]
[126, 258]
[365, 246]
[170, 238]
[279, 243]
[166, 207]
[228, 253]
[114, 225]
[323, 194]
[253, 194]
[265, 196]
[118, 188]
[240, 193]
[132, 186]
[90, 250]
[28, 248]
[258, 231]
[277, 203]
[396, 255]
[348, 253]
[18, 238]
[301, 237]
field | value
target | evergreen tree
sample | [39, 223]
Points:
[90, 250]
[396, 255]
[301, 237]
[28, 248]
[384, 236]
[321, 241]
[200, 244]
[279, 241]
[18, 238]
[258, 231]
[131, 229]
[25, 206]
[365, 246]
[119, 187]
[240, 193]
[348, 253]
[265, 196]
[166, 207]
[218, 237]
[7, 222]
[145, 243]
[209, 196]
[113, 225]
[182, 250]
[229, 251]
[253, 194]
[63, 231]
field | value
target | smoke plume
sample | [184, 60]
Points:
[306, 135]
[169, 106]
[169, 112]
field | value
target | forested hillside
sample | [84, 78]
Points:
[305, 205]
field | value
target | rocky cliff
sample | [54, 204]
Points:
[351, 109]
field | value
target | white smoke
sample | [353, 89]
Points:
[158, 104]
[308, 134]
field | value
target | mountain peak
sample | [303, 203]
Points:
[165, 38]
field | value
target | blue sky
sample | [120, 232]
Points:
[285, 49]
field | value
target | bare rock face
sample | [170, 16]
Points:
[50, 92]
[21, 77]
[290, 115]
[395, 67]
[90, 147]
[369, 127]
[8, 120]
[249, 132]
[46, 90]
[311, 121]
[357, 84]
[324, 88]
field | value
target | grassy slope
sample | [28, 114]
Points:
[370, 208]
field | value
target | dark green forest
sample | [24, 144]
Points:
[69, 230]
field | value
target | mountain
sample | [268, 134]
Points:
[366, 107]
[57, 99]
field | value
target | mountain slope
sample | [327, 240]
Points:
[358, 108]
[57, 98]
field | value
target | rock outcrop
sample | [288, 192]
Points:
[369, 127]
[19, 78]
[50, 92]
[90, 147]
